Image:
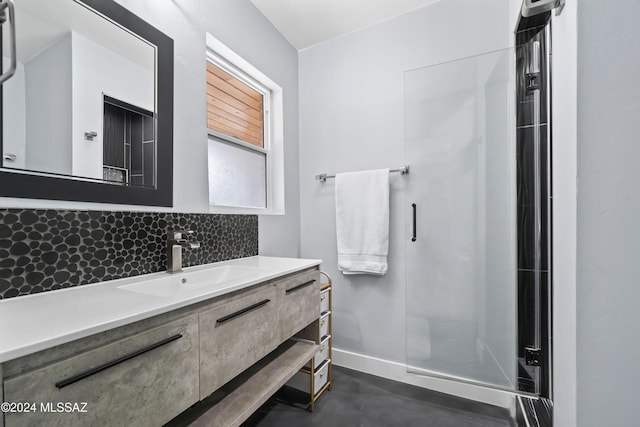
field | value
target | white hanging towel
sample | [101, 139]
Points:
[362, 221]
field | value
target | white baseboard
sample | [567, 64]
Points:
[398, 372]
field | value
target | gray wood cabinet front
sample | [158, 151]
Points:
[143, 380]
[298, 298]
[235, 335]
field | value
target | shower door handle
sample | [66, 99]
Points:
[414, 236]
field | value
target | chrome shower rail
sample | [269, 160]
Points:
[403, 170]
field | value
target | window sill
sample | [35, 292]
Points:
[233, 210]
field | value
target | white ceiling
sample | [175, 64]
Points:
[308, 22]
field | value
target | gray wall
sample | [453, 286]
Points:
[240, 26]
[13, 104]
[564, 72]
[608, 241]
[352, 118]
[49, 101]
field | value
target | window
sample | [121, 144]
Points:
[244, 126]
[235, 108]
[238, 143]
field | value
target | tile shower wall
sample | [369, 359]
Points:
[44, 250]
[532, 133]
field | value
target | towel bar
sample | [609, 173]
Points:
[403, 170]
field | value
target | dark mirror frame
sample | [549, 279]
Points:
[23, 185]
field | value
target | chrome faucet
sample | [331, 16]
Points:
[175, 243]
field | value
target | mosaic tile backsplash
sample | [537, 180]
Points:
[43, 250]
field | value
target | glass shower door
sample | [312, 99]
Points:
[461, 201]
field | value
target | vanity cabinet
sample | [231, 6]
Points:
[122, 383]
[148, 372]
[235, 335]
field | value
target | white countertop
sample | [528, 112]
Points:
[35, 322]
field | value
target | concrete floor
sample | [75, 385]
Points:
[361, 400]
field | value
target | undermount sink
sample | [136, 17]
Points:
[176, 283]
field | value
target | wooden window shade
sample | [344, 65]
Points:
[234, 108]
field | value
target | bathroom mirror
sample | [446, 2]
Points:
[88, 112]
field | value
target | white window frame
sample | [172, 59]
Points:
[273, 137]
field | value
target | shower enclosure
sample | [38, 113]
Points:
[478, 202]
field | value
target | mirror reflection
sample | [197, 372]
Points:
[82, 100]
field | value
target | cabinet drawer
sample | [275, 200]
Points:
[324, 301]
[121, 383]
[298, 302]
[324, 324]
[236, 335]
[322, 354]
[302, 380]
[321, 376]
